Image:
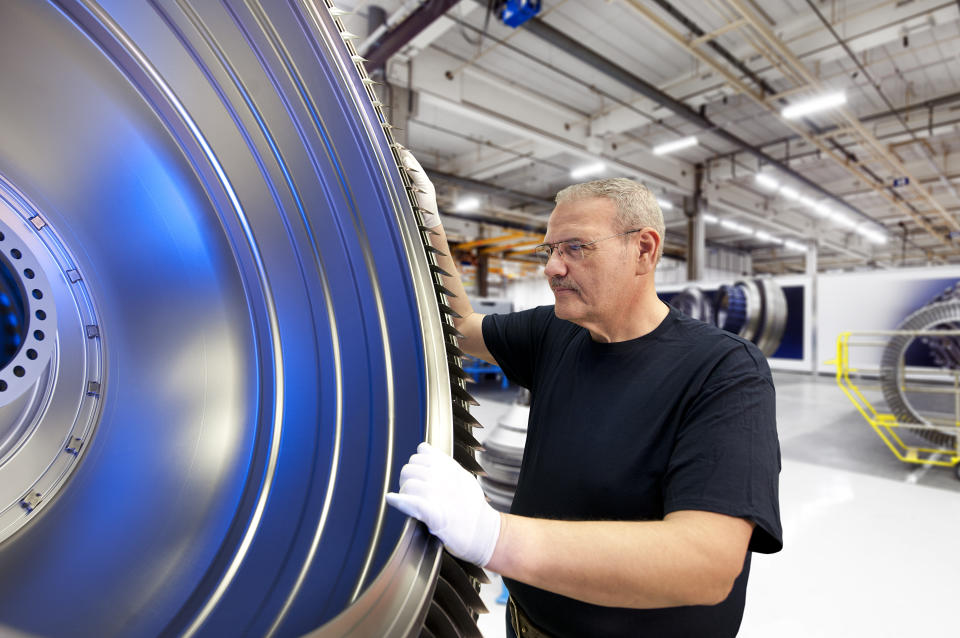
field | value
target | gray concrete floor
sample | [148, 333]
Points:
[869, 541]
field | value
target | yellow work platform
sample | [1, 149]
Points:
[897, 383]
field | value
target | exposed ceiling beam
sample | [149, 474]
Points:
[562, 143]
[493, 189]
[563, 42]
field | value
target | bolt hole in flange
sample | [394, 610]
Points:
[13, 313]
[42, 370]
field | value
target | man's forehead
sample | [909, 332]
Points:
[573, 219]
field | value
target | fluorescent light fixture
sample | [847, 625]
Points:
[792, 245]
[587, 170]
[676, 145]
[842, 220]
[763, 235]
[813, 105]
[767, 182]
[875, 235]
[467, 205]
[664, 204]
[710, 219]
[790, 193]
[806, 201]
[822, 209]
[736, 227]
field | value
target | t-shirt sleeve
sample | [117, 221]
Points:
[726, 457]
[514, 340]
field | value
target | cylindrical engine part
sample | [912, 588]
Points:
[773, 316]
[738, 309]
[694, 303]
[944, 314]
[503, 453]
[226, 337]
[755, 309]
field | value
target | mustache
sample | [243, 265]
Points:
[561, 283]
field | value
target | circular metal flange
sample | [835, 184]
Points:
[503, 453]
[273, 345]
[692, 302]
[50, 384]
[892, 372]
[36, 316]
[752, 298]
[945, 350]
[773, 316]
[730, 312]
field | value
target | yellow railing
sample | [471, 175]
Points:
[886, 424]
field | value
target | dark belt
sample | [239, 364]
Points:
[521, 624]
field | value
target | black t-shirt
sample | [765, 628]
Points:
[682, 418]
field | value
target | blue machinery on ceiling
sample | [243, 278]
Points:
[221, 332]
[513, 13]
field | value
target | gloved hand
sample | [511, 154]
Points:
[435, 489]
[427, 199]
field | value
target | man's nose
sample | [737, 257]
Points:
[555, 265]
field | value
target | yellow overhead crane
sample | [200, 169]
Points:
[489, 241]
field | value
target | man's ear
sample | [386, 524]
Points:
[648, 245]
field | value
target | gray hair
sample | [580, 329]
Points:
[637, 207]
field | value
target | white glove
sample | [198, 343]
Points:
[435, 489]
[427, 194]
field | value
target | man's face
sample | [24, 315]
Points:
[589, 291]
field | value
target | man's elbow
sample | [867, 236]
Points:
[719, 591]
[716, 585]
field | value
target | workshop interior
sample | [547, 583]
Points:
[224, 328]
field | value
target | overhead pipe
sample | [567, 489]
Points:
[764, 86]
[926, 105]
[485, 187]
[378, 24]
[735, 81]
[716, 46]
[392, 39]
[767, 89]
[609, 68]
[864, 134]
[926, 155]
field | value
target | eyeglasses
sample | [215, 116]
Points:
[572, 250]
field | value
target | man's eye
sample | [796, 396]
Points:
[573, 249]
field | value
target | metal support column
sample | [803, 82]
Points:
[483, 271]
[811, 260]
[696, 229]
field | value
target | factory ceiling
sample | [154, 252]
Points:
[503, 117]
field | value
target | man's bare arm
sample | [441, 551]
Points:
[469, 323]
[689, 558]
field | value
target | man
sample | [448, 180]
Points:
[651, 465]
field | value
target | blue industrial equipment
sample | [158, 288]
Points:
[513, 13]
[221, 333]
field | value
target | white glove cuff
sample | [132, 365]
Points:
[489, 527]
